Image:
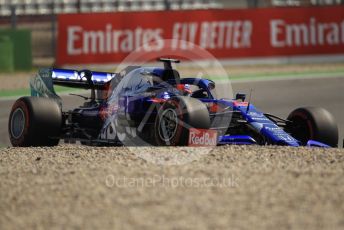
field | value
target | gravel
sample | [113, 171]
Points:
[232, 187]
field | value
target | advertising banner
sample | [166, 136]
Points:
[245, 33]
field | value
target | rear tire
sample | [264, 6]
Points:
[35, 121]
[313, 123]
[174, 119]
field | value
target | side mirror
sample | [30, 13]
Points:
[211, 85]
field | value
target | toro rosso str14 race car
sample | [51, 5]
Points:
[155, 106]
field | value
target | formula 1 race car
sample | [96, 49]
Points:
[155, 106]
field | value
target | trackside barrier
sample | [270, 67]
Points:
[227, 34]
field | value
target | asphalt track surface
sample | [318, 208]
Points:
[278, 97]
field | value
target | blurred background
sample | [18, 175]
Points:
[39, 16]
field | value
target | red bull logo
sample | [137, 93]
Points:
[202, 137]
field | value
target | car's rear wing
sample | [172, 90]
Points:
[42, 85]
[74, 78]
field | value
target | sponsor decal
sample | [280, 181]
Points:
[230, 33]
[202, 137]
[276, 128]
[240, 103]
[258, 126]
[260, 119]
[256, 114]
[286, 138]
[308, 33]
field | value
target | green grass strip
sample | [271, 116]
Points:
[26, 92]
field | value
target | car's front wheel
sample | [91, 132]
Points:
[174, 119]
[313, 123]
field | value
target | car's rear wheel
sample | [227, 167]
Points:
[35, 121]
[313, 123]
[174, 119]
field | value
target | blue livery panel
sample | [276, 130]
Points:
[262, 124]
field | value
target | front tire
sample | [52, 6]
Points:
[313, 123]
[174, 119]
[35, 121]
